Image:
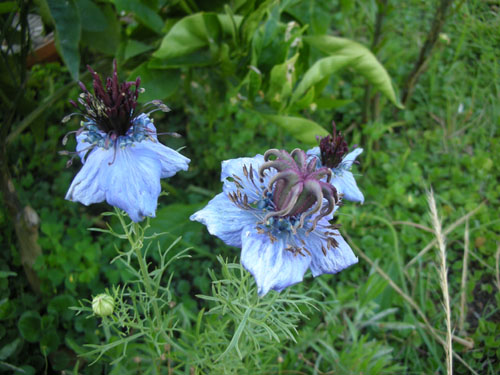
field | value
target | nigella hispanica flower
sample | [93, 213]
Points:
[277, 208]
[123, 161]
[331, 153]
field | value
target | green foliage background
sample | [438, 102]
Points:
[242, 77]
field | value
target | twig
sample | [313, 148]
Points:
[427, 49]
[497, 268]
[465, 264]
[377, 35]
[446, 232]
[443, 278]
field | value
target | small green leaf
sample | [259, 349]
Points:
[68, 30]
[8, 349]
[362, 61]
[158, 83]
[145, 15]
[60, 305]
[50, 341]
[30, 326]
[303, 130]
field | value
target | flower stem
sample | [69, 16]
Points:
[137, 243]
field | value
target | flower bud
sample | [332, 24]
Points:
[444, 38]
[103, 305]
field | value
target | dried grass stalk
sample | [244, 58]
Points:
[443, 272]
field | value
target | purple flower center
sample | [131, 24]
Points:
[297, 189]
[111, 107]
[333, 148]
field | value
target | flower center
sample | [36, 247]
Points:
[333, 148]
[138, 132]
[297, 190]
[111, 107]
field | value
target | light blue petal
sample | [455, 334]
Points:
[171, 161]
[86, 187]
[133, 182]
[335, 260]
[235, 166]
[271, 265]
[345, 184]
[224, 220]
[252, 188]
[315, 151]
[145, 121]
[83, 148]
[349, 158]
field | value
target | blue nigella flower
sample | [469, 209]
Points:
[333, 153]
[278, 212]
[123, 161]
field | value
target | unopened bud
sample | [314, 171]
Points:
[103, 305]
[444, 38]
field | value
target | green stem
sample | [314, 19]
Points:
[137, 244]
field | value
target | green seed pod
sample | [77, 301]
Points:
[103, 305]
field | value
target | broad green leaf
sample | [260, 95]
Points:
[188, 35]
[158, 83]
[282, 80]
[254, 78]
[8, 6]
[68, 30]
[321, 69]
[105, 41]
[30, 326]
[252, 21]
[5, 274]
[145, 15]
[303, 130]
[134, 48]
[331, 103]
[92, 17]
[194, 32]
[362, 61]
[202, 57]
[306, 101]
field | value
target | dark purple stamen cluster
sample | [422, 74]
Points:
[333, 148]
[297, 188]
[112, 107]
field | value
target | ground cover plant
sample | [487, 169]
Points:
[414, 84]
